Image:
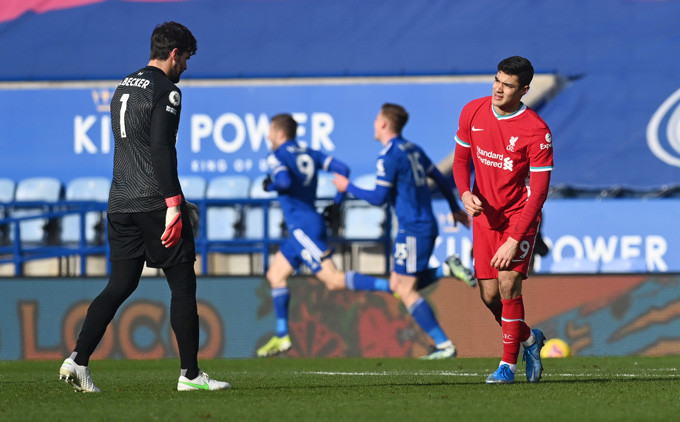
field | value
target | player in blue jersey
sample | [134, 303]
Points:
[295, 168]
[402, 172]
[295, 175]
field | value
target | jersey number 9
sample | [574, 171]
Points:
[305, 166]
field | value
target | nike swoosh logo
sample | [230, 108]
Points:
[474, 129]
[203, 386]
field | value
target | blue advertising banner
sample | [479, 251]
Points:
[589, 236]
[66, 132]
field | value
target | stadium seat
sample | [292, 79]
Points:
[39, 189]
[223, 222]
[325, 189]
[86, 189]
[254, 217]
[193, 187]
[7, 187]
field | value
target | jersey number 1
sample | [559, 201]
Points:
[123, 108]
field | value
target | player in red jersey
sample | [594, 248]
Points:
[507, 143]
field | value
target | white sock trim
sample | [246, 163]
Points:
[513, 366]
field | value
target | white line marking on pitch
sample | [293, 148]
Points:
[476, 374]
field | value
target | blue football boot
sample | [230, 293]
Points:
[503, 375]
[532, 356]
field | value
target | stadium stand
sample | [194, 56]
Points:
[366, 229]
[85, 189]
[595, 157]
[193, 187]
[7, 187]
[32, 192]
[254, 215]
[225, 222]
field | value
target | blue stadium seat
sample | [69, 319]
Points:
[223, 221]
[86, 189]
[363, 222]
[193, 187]
[43, 189]
[325, 189]
[254, 216]
[7, 187]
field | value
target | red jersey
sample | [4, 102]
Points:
[504, 150]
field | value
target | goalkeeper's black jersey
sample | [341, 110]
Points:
[145, 112]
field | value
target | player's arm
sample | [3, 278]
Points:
[445, 188]
[373, 197]
[385, 173]
[461, 175]
[378, 196]
[281, 181]
[540, 155]
[164, 124]
[334, 165]
[539, 184]
[163, 131]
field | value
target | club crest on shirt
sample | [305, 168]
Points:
[175, 98]
[512, 141]
[380, 167]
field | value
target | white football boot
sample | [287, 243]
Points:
[78, 376]
[201, 382]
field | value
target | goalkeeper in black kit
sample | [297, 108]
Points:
[148, 218]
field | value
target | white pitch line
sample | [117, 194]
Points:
[475, 374]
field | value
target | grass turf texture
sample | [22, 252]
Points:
[609, 388]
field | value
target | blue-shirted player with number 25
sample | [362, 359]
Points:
[401, 178]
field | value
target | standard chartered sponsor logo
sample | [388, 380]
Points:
[493, 159]
[663, 131]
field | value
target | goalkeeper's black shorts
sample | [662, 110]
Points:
[132, 235]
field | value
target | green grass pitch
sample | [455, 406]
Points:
[287, 389]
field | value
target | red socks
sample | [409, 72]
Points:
[515, 330]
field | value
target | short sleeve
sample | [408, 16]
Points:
[463, 134]
[541, 151]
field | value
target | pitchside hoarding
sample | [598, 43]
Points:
[596, 315]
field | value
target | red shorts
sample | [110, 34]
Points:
[486, 241]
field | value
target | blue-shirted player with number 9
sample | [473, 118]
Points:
[295, 168]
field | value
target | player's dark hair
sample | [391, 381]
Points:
[168, 36]
[396, 115]
[286, 123]
[519, 66]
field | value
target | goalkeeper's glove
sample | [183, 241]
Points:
[266, 183]
[173, 222]
[192, 209]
